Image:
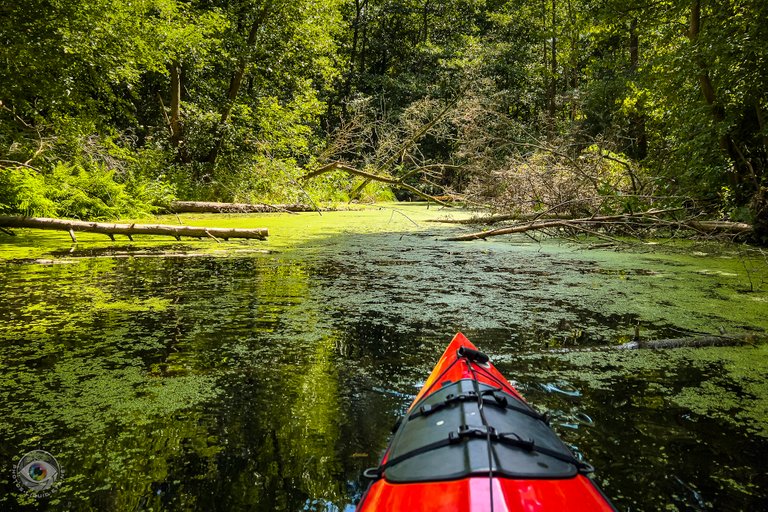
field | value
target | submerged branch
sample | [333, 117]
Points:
[693, 342]
[725, 340]
[721, 226]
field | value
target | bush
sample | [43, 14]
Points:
[91, 192]
[23, 192]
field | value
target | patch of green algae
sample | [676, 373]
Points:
[745, 403]
[729, 384]
[684, 287]
[286, 230]
[726, 286]
[140, 361]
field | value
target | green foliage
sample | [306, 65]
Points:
[223, 100]
[74, 191]
[23, 191]
[74, 85]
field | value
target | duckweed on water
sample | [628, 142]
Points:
[266, 375]
[730, 384]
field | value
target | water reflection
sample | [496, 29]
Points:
[561, 387]
[572, 419]
[270, 381]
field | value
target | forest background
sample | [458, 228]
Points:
[115, 108]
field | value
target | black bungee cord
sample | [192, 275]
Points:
[476, 385]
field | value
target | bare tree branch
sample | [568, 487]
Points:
[14, 163]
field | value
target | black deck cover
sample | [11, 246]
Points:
[469, 454]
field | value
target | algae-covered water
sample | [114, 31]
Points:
[266, 375]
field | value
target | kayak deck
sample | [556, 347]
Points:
[469, 441]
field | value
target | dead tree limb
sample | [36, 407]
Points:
[14, 163]
[417, 135]
[380, 169]
[214, 207]
[338, 166]
[384, 178]
[548, 224]
[586, 224]
[522, 228]
[551, 213]
[503, 217]
[721, 226]
[112, 229]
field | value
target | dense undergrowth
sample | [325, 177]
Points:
[94, 191]
[114, 108]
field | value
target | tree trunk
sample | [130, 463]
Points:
[552, 92]
[634, 46]
[637, 128]
[761, 123]
[359, 6]
[545, 50]
[237, 78]
[574, 61]
[745, 178]
[112, 229]
[705, 82]
[175, 119]
[363, 40]
[214, 207]
[175, 103]
[708, 91]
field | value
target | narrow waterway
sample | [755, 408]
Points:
[266, 375]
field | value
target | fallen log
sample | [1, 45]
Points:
[215, 207]
[645, 219]
[494, 219]
[535, 226]
[721, 226]
[112, 229]
[706, 226]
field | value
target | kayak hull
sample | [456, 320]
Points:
[577, 494]
[477, 490]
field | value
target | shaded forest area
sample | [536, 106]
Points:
[569, 107]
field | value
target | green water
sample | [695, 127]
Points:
[266, 375]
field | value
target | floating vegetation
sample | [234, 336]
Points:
[175, 382]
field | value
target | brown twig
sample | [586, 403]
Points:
[14, 163]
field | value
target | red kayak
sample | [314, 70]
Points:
[470, 442]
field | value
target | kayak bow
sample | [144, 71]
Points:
[470, 442]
